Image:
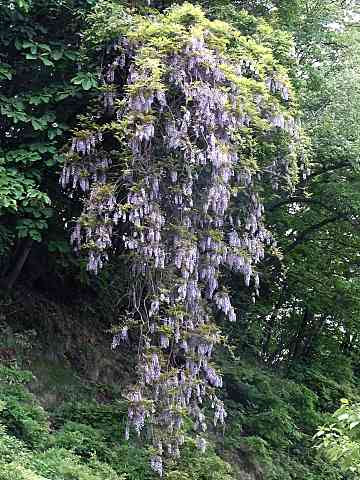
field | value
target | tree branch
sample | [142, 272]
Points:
[313, 228]
[289, 201]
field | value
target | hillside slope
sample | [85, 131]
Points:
[63, 415]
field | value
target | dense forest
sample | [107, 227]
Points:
[179, 240]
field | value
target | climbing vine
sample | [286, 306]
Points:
[171, 157]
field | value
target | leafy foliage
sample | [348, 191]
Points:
[115, 76]
[39, 99]
[78, 451]
[339, 441]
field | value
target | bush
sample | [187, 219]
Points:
[84, 440]
[17, 472]
[11, 448]
[23, 417]
[58, 463]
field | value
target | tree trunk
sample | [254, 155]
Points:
[9, 280]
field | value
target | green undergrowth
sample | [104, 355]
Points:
[273, 416]
[57, 424]
[268, 434]
[80, 440]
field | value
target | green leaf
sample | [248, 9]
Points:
[52, 133]
[354, 424]
[71, 54]
[86, 84]
[37, 124]
[45, 47]
[57, 54]
[31, 56]
[27, 44]
[18, 44]
[5, 71]
[86, 80]
[46, 61]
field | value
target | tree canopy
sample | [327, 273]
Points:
[186, 176]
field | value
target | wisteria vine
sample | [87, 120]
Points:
[192, 207]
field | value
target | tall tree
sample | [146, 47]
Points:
[40, 95]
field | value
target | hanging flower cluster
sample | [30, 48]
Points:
[193, 98]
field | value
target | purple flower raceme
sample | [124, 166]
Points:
[191, 209]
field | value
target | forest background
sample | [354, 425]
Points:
[291, 357]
